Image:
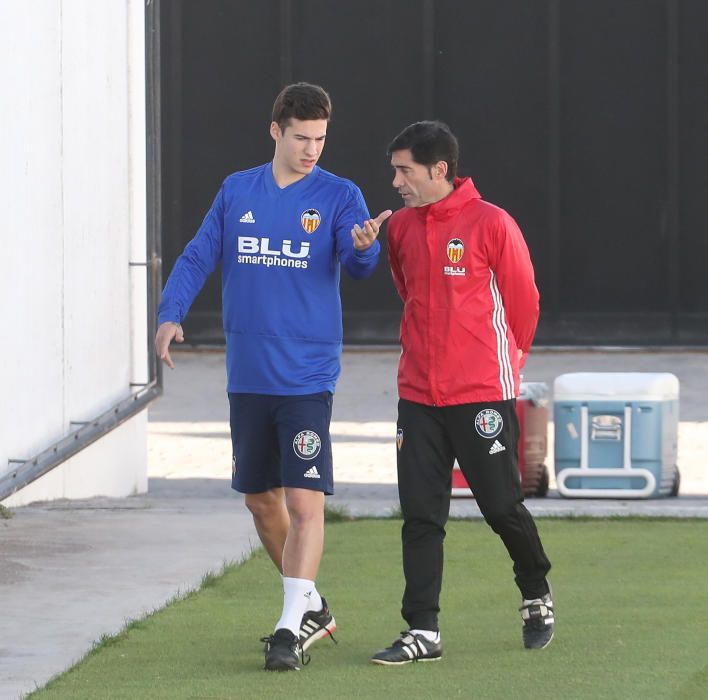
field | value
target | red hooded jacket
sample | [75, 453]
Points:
[463, 271]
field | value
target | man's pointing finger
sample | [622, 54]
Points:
[382, 217]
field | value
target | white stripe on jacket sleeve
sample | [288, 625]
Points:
[506, 373]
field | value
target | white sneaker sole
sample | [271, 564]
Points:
[320, 634]
[381, 662]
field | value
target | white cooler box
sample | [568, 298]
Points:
[616, 434]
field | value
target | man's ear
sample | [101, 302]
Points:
[275, 131]
[440, 170]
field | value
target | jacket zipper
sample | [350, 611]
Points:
[429, 236]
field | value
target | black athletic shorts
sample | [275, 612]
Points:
[281, 441]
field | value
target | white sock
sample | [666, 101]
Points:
[297, 593]
[428, 634]
[315, 601]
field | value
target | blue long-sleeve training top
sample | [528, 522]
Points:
[281, 251]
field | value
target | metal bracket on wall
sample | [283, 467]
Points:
[88, 432]
[153, 263]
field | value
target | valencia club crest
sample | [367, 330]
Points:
[455, 250]
[310, 220]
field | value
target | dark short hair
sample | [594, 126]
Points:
[301, 101]
[429, 142]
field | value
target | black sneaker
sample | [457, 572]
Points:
[408, 648]
[316, 625]
[537, 615]
[283, 651]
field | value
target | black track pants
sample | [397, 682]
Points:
[429, 439]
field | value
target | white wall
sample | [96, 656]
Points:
[72, 311]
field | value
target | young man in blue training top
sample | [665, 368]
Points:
[281, 231]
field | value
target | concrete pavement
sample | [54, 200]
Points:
[71, 572]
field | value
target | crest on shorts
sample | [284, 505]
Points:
[455, 250]
[307, 444]
[489, 423]
[310, 220]
[233, 466]
[399, 439]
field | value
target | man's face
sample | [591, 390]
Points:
[298, 147]
[418, 184]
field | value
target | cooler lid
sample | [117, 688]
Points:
[623, 386]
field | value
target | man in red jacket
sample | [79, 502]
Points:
[470, 309]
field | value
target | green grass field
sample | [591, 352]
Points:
[631, 607]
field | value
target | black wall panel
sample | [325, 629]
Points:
[585, 120]
[613, 158]
[693, 159]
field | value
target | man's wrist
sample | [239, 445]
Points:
[364, 252]
[168, 318]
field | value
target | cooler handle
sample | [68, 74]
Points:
[584, 438]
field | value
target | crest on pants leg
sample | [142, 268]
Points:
[399, 439]
[488, 423]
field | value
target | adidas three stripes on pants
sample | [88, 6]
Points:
[483, 438]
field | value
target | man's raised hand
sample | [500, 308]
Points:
[364, 237]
